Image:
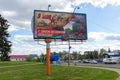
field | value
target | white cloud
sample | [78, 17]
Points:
[12, 28]
[24, 24]
[98, 3]
[101, 36]
[23, 38]
[26, 50]
[9, 13]
[20, 14]
[96, 36]
[26, 44]
[98, 40]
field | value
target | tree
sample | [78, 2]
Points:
[80, 57]
[5, 45]
[95, 53]
[109, 50]
[61, 55]
[86, 55]
[102, 51]
[75, 55]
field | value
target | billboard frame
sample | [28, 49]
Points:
[69, 38]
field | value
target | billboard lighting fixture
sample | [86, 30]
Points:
[76, 8]
[49, 6]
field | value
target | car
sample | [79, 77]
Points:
[86, 61]
[77, 61]
[109, 61]
[93, 62]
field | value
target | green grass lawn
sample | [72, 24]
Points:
[35, 71]
[8, 63]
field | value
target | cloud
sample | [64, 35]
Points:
[96, 36]
[27, 40]
[25, 44]
[9, 13]
[26, 50]
[98, 3]
[98, 40]
[13, 28]
[101, 36]
[23, 24]
[20, 12]
[113, 37]
[24, 38]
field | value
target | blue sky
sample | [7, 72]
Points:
[103, 20]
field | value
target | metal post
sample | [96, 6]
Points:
[69, 41]
[69, 52]
[47, 56]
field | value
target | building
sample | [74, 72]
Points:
[18, 57]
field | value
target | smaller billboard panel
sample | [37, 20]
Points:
[59, 25]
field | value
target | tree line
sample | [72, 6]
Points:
[86, 55]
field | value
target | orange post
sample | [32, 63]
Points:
[47, 56]
[48, 61]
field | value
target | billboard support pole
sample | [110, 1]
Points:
[48, 56]
[69, 52]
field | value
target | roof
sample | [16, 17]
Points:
[18, 56]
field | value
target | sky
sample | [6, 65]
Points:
[103, 20]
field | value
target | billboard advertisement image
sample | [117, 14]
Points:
[59, 25]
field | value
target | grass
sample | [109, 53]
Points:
[8, 63]
[35, 71]
[104, 66]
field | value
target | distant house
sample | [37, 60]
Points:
[33, 57]
[18, 57]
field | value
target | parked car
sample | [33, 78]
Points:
[109, 61]
[77, 61]
[93, 62]
[86, 61]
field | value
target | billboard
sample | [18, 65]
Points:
[59, 25]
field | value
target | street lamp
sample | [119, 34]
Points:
[76, 8]
[69, 46]
[49, 6]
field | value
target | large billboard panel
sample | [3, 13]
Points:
[59, 25]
